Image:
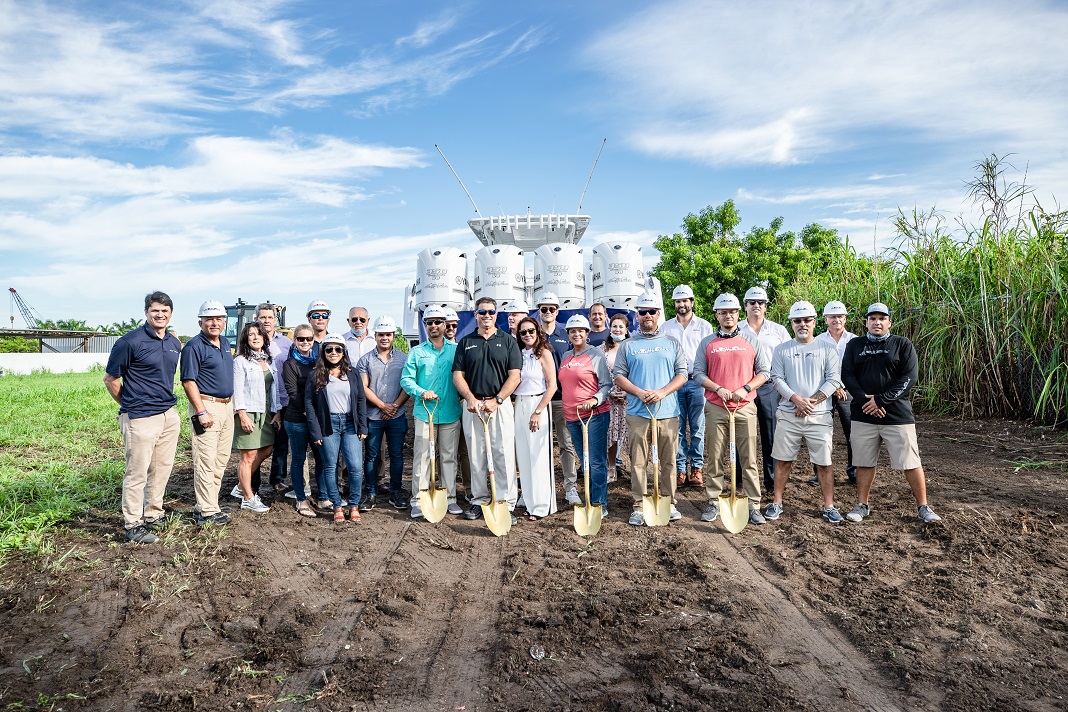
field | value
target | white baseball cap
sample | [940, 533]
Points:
[726, 301]
[756, 293]
[317, 305]
[384, 324]
[646, 301]
[682, 291]
[548, 298]
[451, 315]
[802, 309]
[517, 307]
[879, 308]
[835, 308]
[333, 339]
[211, 308]
[577, 322]
[434, 312]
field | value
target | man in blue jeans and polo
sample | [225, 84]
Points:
[381, 372]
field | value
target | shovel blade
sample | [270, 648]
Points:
[435, 503]
[498, 518]
[588, 520]
[657, 510]
[734, 511]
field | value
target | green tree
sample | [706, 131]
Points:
[17, 345]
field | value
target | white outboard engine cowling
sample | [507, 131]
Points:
[618, 274]
[499, 274]
[558, 269]
[441, 278]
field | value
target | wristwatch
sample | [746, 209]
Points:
[498, 399]
[537, 411]
[748, 388]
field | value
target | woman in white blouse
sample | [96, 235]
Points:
[256, 409]
[533, 426]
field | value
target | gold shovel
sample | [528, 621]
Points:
[656, 509]
[434, 500]
[733, 509]
[588, 517]
[498, 518]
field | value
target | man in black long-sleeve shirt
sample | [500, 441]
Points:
[879, 370]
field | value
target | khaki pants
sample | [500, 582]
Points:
[667, 444]
[568, 459]
[717, 442]
[211, 452]
[150, 444]
[446, 442]
[502, 444]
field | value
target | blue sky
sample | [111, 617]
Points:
[285, 150]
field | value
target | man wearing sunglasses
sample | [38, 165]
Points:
[485, 371]
[452, 324]
[358, 339]
[650, 368]
[770, 335]
[806, 373]
[556, 335]
[381, 371]
[319, 318]
[279, 346]
[834, 316]
[427, 378]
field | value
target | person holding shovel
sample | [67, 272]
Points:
[730, 365]
[650, 368]
[806, 373]
[427, 377]
[485, 371]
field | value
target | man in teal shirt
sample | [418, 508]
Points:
[427, 378]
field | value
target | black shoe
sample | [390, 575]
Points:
[368, 503]
[198, 518]
[474, 513]
[156, 524]
[220, 518]
[769, 483]
[398, 501]
[140, 535]
[851, 476]
[815, 481]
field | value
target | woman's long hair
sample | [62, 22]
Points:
[540, 342]
[611, 343]
[322, 367]
[243, 349]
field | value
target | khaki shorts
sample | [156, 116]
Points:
[900, 444]
[816, 430]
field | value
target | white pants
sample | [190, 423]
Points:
[502, 443]
[533, 454]
[446, 442]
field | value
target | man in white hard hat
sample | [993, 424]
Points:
[381, 371]
[689, 330]
[279, 345]
[516, 311]
[770, 335]
[880, 370]
[207, 374]
[598, 317]
[650, 368]
[319, 317]
[731, 365]
[834, 316]
[427, 378]
[806, 374]
[548, 307]
[358, 339]
[452, 323]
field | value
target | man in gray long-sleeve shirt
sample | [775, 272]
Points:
[806, 373]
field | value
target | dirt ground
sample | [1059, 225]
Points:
[276, 612]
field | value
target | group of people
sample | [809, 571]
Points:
[495, 400]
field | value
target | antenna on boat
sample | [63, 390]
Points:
[591, 175]
[462, 183]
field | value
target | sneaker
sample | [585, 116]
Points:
[141, 535]
[199, 519]
[521, 502]
[636, 518]
[368, 503]
[398, 501]
[859, 512]
[711, 513]
[612, 476]
[291, 494]
[417, 512]
[572, 496]
[455, 509]
[697, 477]
[769, 483]
[156, 524]
[928, 515]
[236, 492]
[773, 512]
[255, 504]
[851, 475]
[474, 513]
[219, 518]
[680, 479]
[832, 515]
[604, 511]
[755, 517]
[514, 520]
[815, 481]
[675, 515]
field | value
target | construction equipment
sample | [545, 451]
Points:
[498, 517]
[655, 508]
[434, 500]
[29, 315]
[588, 516]
[237, 315]
[734, 510]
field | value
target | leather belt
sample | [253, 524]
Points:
[215, 399]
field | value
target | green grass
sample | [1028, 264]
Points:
[60, 455]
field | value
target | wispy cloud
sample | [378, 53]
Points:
[259, 19]
[427, 32]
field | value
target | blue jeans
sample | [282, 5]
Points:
[691, 427]
[298, 445]
[342, 442]
[279, 456]
[394, 431]
[598, 428]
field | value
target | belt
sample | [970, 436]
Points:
[689, 377]
[215, 399]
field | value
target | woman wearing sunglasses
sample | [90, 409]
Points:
[533, 428]
[618, 442]
[295, 374]
[337, 421]
[256, 409]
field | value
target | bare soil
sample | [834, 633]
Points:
[276, 612]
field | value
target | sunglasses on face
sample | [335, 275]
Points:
[319, 315]
[485, 312]
[527, 332]
[304, 338]
[451, 325]
[750, 302]
[548, 310]
[360, 319]
[433, 322]
[333, 350]
[648, 312]
[806, 320]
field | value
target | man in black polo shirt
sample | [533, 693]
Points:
[208, 379]
[485, 371]
[140, 377]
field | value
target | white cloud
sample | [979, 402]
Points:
[259, 19]
[429, 31]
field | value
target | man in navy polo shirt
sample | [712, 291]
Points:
[140, 377]
[208, 379]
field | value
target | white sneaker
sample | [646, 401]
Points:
[291, 494]
[236, 492]
[417, 512]
[255, 504]
[455, 509]
[675, 515]
[573, 496]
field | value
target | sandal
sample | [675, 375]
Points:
[339, 515]
[533, 518]
[354, 514]
[325, 504]
[304, 509]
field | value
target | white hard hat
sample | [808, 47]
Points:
[577, 322]
[879, 308]
[548, 298]
[332, 339]
[517, 307]
[835, 308]
[211, 308]
[451, 315]
[682, 291]
[317, 305]
[802, 309]
[756, 293]
[646, 301]
[434, 312]
[727, 301]
[384, 324]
